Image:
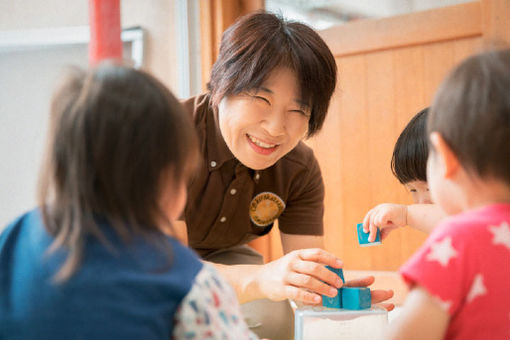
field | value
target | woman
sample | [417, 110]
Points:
[269, 89]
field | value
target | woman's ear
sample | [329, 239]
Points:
[449, 161]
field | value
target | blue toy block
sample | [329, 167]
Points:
[337, 271]
[356, 298]
[334, 302]
[363, 237]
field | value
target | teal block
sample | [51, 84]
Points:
[334, 302]
[356, 298]
[363, 237]
[337, 271]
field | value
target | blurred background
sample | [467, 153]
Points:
[391, 56]
[173, 39]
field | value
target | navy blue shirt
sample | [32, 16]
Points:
[129, 293]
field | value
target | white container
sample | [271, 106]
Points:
[321, 323]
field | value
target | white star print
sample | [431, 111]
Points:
[477, 288]
[442, 251]
[501, 234]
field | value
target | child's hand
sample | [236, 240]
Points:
[386, 217]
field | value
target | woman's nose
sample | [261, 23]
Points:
[275, 123]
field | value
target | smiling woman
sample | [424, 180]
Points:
[263, 125]
[269, 89]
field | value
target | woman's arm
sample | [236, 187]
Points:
[299, 275]
[294, 242]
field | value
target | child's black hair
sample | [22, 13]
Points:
[409, 160]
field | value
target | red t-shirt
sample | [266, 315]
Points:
[465, 263]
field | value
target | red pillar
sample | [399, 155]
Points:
[104, 19]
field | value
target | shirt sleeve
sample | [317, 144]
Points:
[304, 210]
[442, 265]
[210, 310]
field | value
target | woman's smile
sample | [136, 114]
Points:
[261, 147]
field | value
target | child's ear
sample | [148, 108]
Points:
[448, 159]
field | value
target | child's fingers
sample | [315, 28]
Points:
[385, 232]
[366, 221]
[373, 232]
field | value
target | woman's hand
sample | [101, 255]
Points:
[300, 275]
[386, 217]
[378, 296]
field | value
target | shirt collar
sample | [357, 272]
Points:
[217, 150]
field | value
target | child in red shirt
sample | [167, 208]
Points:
[460, 277]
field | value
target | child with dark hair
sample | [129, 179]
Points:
[97, 259]
[409, 165]
[459, 279]
[409, 160]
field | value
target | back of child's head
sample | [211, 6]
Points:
[115, 134]
[409, 160]
[471, 111]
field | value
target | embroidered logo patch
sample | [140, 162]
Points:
[265, 208]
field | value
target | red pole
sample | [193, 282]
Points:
[104, 19]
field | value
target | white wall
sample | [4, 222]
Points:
[27, 79]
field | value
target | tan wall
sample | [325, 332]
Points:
[157, 17]
[389, 69]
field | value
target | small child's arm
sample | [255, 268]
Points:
[389, 216]
[421, 317]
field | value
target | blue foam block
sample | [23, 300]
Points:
[334, 302]
[337, 271]
[356, 298]
[363, 237]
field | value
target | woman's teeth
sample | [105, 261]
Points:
[261, 143]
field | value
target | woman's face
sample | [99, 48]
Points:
[419, 191]
[261, 126]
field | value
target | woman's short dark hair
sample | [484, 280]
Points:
[116, 134]
[471, 111]
[409, 160]
[260, 42]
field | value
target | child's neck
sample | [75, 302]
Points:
[486, 192]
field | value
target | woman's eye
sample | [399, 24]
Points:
[264, 99]
[306, 114]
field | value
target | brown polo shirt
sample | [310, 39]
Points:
[229, 204]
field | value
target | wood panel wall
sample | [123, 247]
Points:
[389, 69]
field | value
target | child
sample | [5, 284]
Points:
[459, 279]
[409, 159]
[408, 164]
[96, 259]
